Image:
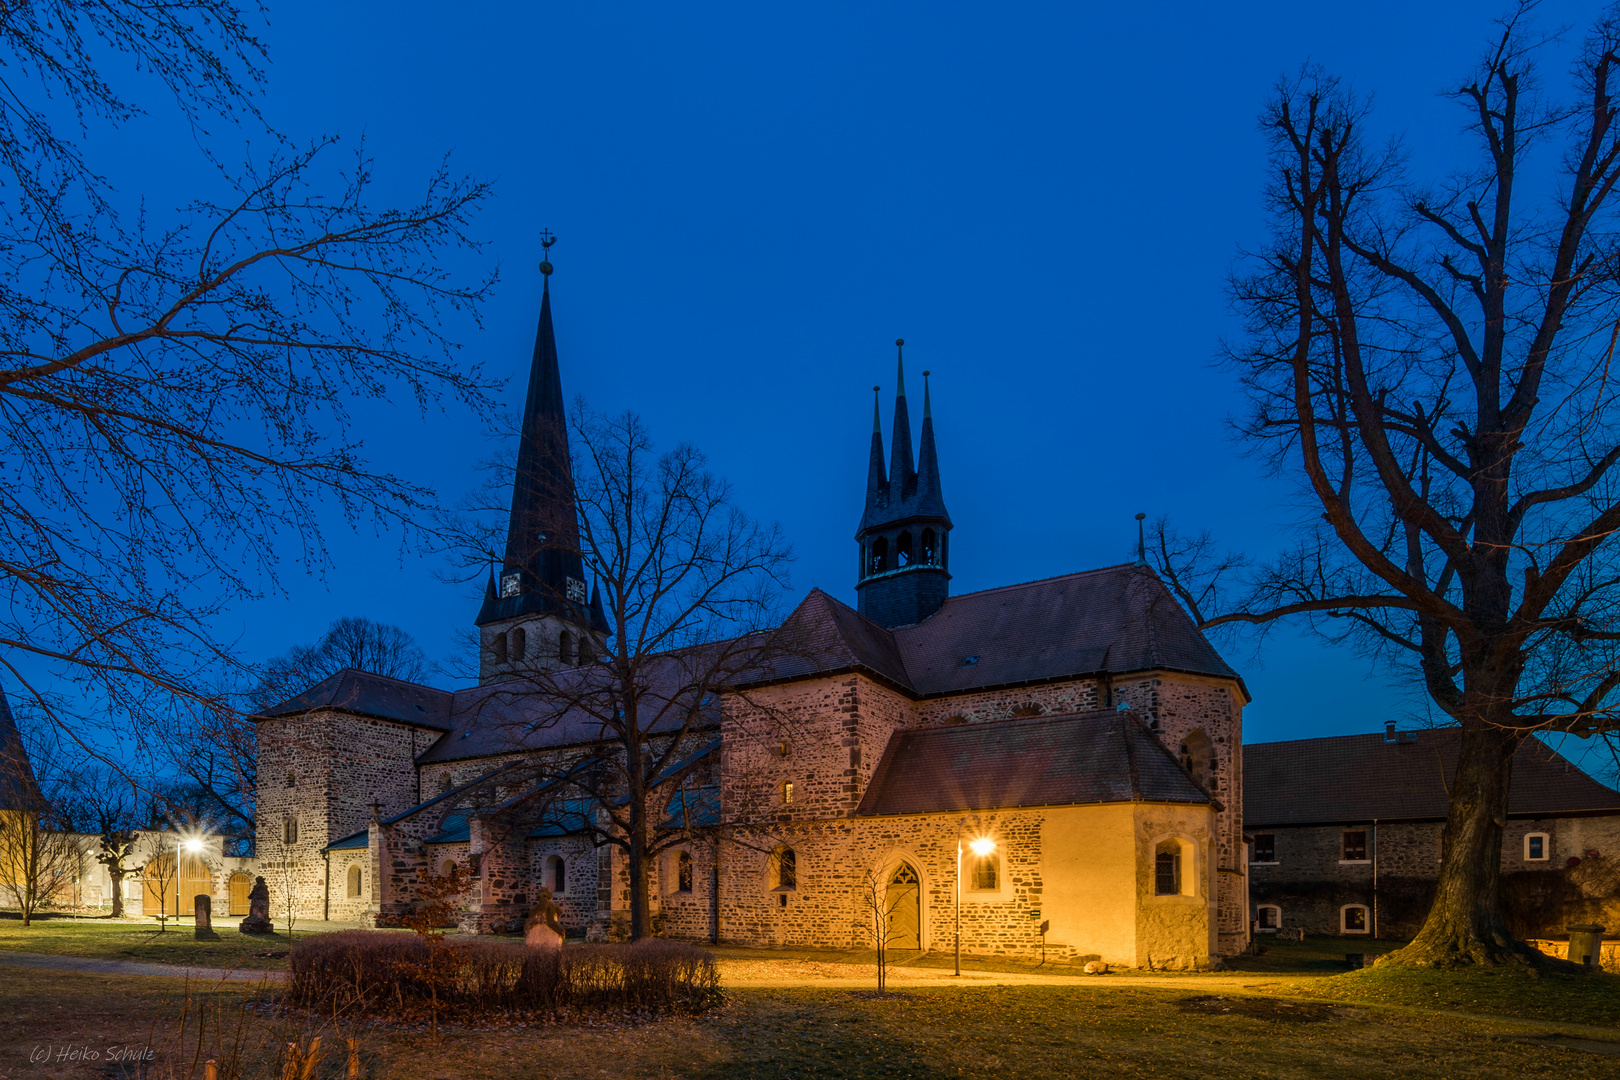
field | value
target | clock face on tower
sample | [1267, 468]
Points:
[510, 584]
[576, 590]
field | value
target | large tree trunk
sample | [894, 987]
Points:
[640, 910]
[117, 894]
[1465, 924]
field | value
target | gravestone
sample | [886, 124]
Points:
[258, 920]
[542, 929]
[204, 905]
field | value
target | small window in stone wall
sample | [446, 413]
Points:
[683, 872]
[289, 831]
[986, 874]
[498, 646]
[1269, 916]
[786, 866]
[447, 868]
[1353, 919]
[556, 875]
[787, 792]
[292, 780]
[354, 881]
[519, 649]
[1355, 845]
[1265, 847]
[1537, 847]
[445, 783]
[1167, 869]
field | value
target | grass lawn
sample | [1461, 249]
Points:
[104, 939]
[992, 1032]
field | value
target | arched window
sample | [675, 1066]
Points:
[354, 880]
[289, 831]
[1353, 919]
[985, 875]
[1172, 868]
[448, 868]
[880, 555]
[902, 550]
[683, 872]
[930, 554]
[445, 783]
[520, 644]
[587, 651]
[556, 877]
[565, 647]
[1269, 916]
[785, 865]
[1198, 758]
[498, 646]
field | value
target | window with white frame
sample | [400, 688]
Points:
[1353, 919]
[1269, 917]
[1537, 847]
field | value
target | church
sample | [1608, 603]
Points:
[1048, 768]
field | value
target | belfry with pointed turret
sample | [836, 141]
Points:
[904, 534]
[537, 615]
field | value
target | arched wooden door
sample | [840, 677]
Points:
[904, 901]
[241, 887]
[167, 892]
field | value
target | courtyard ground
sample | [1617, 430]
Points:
[1295, 1012]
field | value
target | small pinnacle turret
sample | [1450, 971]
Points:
[904, 529]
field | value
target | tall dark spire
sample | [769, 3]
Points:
[18, 789]
[902, 473]
[905, 528]
[930, 500]
[541, 570]
[876, 481]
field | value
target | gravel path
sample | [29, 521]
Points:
[133, 967]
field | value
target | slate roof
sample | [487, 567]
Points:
[1115, 620]
[368, 694]
[1092, 757]
[1356, 778]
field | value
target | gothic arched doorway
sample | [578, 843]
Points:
[903, 900]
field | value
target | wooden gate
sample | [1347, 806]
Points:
[241, 886]
[905, 915]
[172, 893]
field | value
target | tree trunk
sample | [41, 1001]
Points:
[1465, 926]
[640, 911]
[117, 894]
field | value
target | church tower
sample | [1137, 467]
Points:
[904, 535]
[536, 614]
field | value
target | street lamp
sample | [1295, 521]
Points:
[980, 847]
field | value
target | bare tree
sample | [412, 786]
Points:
[878, 923]
[41, 856]
[358, 643]
[175, 385]
[1434, 363]
[689, 586]
[110, 807]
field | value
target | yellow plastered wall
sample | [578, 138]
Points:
[1099, 887]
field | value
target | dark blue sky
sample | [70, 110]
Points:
[754, 200]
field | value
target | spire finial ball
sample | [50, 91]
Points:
[1139, 517]
[875, 389]
[899, 341]
[926, 374]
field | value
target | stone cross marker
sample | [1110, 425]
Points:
[258, 920]
[542, 928]
[205, 916]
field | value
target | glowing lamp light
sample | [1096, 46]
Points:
[193, 844]
[982, 846]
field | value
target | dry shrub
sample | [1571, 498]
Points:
[374, 971]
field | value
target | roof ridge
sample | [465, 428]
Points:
[1352, 735]
[1038, 581]
[1018, 721]
[380, 675]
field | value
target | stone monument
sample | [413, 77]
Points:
[204, 929]
[542, 930]
[258, 920]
